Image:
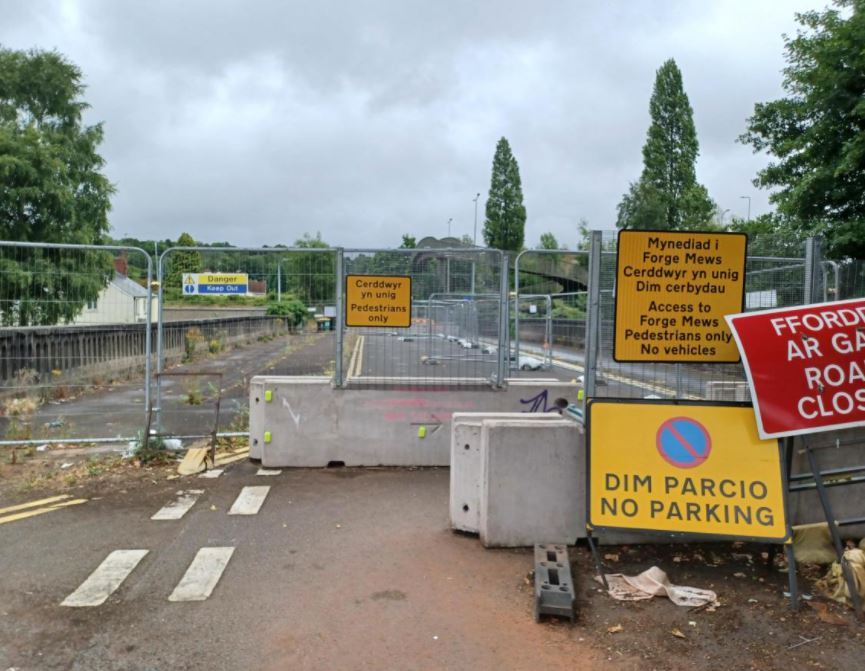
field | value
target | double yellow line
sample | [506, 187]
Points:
[355, 364]
[24, 510]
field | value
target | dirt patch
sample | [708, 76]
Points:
[77, 473]
[753, 628]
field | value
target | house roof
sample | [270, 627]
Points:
[129, 287]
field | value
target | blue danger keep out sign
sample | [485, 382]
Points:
[221, 288]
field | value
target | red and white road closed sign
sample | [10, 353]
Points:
[805, 365]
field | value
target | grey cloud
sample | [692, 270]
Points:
[256, 122]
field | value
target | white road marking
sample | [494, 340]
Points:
[212, 473]
[269, 471]
[202, 575]
[178, 508]
[107, 577]
[249, 501]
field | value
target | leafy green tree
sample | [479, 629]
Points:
[548, 241]
[52, 189]
[817, 132]
[311, 276]
[408, 241]
[182, 262]
[504, 227]
[667, 195]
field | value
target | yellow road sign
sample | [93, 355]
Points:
[686, 468]
[378, 301]
[673, 289]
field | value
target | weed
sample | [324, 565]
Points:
[239, 424]
[154, 452]
[193, 394]
[95, 468]
[19, 429]
[215, 346]
[70, 479]
[194, 337]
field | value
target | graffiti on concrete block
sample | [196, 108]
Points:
[540, 403]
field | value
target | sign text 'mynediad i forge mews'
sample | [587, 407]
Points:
[685, 468]
[673, 290]
[378, 301]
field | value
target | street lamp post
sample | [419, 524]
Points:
[748, 198]
[449, 226]
[475, 238]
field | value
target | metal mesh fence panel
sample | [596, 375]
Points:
[845, 279]
[278, 319]
[455, 332]
[550, 311]
[74, 338]
[770, 281]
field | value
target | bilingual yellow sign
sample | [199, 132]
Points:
[673, 289]
[688, 468]
[378, 301]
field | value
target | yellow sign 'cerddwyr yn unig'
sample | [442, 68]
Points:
[685, 468]
[378, 300]
[673, 289]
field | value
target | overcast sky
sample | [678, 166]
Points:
[257, 121]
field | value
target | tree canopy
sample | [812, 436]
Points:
[548, 241]
[667, 196]
[817, 132]
[52, 189]
[504, 227]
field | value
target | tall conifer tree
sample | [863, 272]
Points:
[504, 227]
[667, 195]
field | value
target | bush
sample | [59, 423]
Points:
[291, 307]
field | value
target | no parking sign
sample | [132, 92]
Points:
[683, 467]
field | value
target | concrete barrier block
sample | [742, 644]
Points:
[465, 462]
[532, 483]
[311, 423]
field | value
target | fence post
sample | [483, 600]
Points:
[593, 323]
[504, 324]
[517, 303]
[810, 259]
[340, 317]
[160, 364]
[148, 338]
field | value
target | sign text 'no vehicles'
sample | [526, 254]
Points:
[673, 290]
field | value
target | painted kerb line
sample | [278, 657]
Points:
[24, 514]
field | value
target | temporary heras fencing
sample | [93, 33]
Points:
[76, 324]
[227, 314]
[458, 330]
[770, 280]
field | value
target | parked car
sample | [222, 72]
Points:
[526, 362]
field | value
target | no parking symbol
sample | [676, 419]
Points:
[683, 442]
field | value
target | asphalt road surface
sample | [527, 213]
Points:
[329, 569]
